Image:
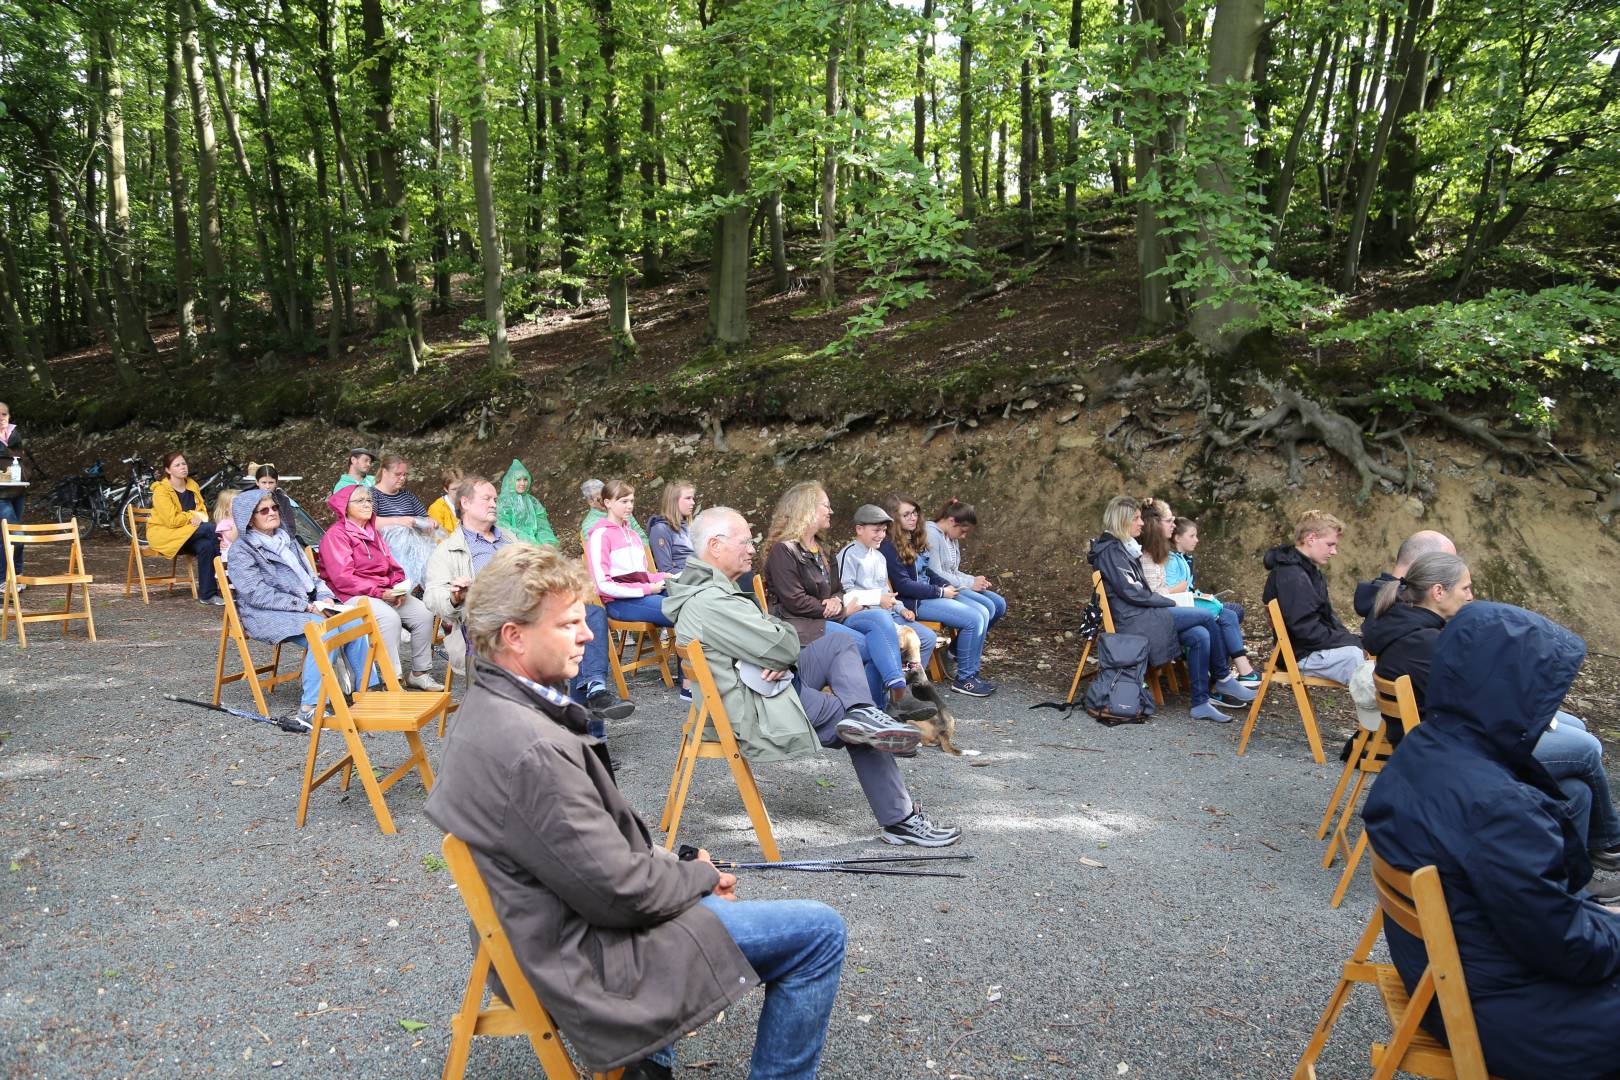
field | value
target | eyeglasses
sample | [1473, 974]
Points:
[741, 541]
[267, 510]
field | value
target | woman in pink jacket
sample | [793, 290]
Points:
[355, 563]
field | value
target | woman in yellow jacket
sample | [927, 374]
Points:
[180, 523]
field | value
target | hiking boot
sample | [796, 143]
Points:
[973, 686]
[1207, 711]
[608, 706]
[1605, 859]
[907, 707]
[1233, 690]
[918, 830]
[865, 725]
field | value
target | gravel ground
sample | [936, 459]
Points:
[1143, 902]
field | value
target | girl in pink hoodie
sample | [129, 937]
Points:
[630, 589]
[356, 564]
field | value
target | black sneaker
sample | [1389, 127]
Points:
[647, 1069]
[909, 708]
[1605, 859]
[918, 830]
[866, 726]
[607, 705]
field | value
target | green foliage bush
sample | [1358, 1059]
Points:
[1521, 346]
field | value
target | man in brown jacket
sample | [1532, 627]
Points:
[625, 945]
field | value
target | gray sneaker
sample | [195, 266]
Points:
[909, 708]
[918, 830]
[865, 726]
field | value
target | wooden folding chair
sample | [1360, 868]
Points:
[654, 643]
[525, 1015]
[759, 592]
[262, 679]
[388, 709]
[1417, 904]
[135, 521]
[1282, 667]
[1367, 759]
[1166, 672]
[708, 713]
[11, 604]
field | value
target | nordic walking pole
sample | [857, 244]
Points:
[289, 726]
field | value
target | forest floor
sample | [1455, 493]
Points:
[1142, 901]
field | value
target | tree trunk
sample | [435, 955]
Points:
[386, 192]
[773, 208]
[184, 304]
[964, 106]
[728, 271]
[1391, 232]
[652, 268]
[829, 166]
[1284, 187]
[440, 224]
[1026, 151]
[537, 177]
[1264, 97]
[1233, 41]
[221, 338]
[568, 183]
[1071, 153]
[1001, 164]
[489, 237]
[919, 101]
[280, 213]
[618, 249]
[1043, 68]
[1350, 269]
[23, 343]
[131, 320]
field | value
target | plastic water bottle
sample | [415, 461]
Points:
[15, 473]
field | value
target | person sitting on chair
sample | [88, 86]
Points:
[1541, 960]
[707, 604]
[457, 561]
[277, 593]
[402, 519]
[179, 524]
[1406, 621]
[626, 946]
[1418, 544]
[596, 510]
[443, 510]
[519, 512]
[1322, 645]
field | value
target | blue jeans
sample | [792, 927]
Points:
[203, 545]
[993, 604]
[11, 510]
[1197, 630]
[880, 649]
[1230, 623]
[637, 609]
[356, 652]
[593, 667]
[796, 947]
[970, 621]
[1574, 757]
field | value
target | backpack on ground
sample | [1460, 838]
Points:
[1116, 694]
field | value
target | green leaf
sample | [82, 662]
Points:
[412, 1025]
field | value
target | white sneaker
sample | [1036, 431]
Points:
[424, 681]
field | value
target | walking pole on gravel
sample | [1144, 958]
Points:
[282, 722]
[844, 866]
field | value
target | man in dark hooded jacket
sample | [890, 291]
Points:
[1321, 643]
[1542, 961]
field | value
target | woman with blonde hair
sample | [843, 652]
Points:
[804, 591]
[669, 533]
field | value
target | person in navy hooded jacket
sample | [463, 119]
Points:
[1541, 959]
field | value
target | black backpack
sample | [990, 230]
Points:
[1116, 694]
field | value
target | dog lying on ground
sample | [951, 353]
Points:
[939, 729]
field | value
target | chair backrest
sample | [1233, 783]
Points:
[474, 892]
[1102, 601]
[225, 590]
[326, 636]
[1396, 701]
[697, 667]
[759, 592]
[309, 557]
[1279, 630]
[592, 597]
[48, 533]
[1416, 903]
[135, 520]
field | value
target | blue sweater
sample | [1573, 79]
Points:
[910, 582]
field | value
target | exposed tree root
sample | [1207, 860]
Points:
[787, 454]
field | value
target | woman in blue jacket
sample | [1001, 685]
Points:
[905, 550]
[1464, 794]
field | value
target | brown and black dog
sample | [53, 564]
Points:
[939, 729]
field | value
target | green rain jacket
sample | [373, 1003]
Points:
[521, 514]
[707, 605]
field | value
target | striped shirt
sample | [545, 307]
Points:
[403, 504]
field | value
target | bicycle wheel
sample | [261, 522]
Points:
[138, 498]
[66, 513]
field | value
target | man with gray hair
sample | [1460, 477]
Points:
[1418, 544]
[757, 664]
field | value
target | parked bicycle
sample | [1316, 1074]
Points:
[95, 501]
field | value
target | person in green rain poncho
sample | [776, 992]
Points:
[519, 512]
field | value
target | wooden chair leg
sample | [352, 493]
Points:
[616, 665]
[1350, 865]
[419, 755]
[1259, 699]
[368, 780]
[465, 1022]
[1356, 970]
[1307, 716]
[688, 767]
[1079, 673]
[680, 758]
[1339, 840]
[749, 790]
[309, 762]
[1350, 766]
